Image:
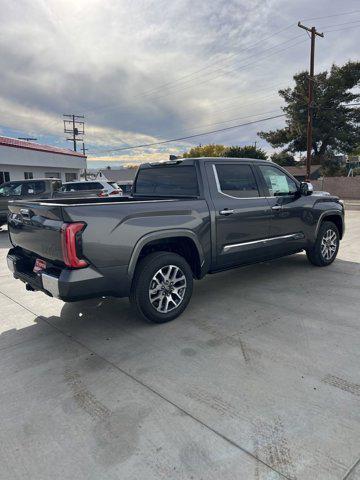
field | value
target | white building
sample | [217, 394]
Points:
[22, 160]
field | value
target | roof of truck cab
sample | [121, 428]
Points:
[191, 161]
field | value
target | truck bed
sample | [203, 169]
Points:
[112, 225]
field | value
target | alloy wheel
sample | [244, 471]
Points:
[167, 288]
[329, 244]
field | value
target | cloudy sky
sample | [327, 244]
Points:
[143, 71]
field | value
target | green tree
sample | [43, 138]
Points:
[248, 151]
[336, 125]
[332, 168]
[211, 150]
[284, 158]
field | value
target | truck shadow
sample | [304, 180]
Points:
[227, 300]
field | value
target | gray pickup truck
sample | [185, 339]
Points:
[185, 219]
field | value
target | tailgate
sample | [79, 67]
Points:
[36, 228]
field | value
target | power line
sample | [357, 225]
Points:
[190, 136]
[206, 67]
[250, 47]
[331, 16]
[235, 69]
[183, 86]
[339, 24]
[341, 29]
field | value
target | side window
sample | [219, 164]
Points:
[33, 188]
[278, 182]
[236, 180]
[10, 189]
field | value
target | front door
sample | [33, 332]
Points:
[242, 213]
[288, 210]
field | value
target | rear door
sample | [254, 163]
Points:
[242, 213]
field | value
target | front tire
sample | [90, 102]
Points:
[162, 287]
[326, 246]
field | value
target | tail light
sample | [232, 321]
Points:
[115, 192]
[71, 244]
[103, 193]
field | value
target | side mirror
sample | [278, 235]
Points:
[306, 188]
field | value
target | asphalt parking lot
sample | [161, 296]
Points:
[259, 379]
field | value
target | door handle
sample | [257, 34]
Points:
[276, 207]
[226, 211]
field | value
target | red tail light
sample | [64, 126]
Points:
[103, 193]
[115, 192]
[70, 241]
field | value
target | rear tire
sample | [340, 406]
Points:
[326, 246]
[162, 287]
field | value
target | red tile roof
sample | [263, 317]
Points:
[14, 142]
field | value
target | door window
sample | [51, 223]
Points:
[236, 180]
[277, 182]
[28, 175]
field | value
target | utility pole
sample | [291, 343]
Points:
[75, 127]
[84, 149]
[313, 33]
[84, 153]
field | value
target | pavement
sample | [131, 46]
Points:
[258, 380]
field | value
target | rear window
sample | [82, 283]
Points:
[167, 181]
[73, 187]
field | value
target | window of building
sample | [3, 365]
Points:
[277, 181]
[4, 177]
[70, 176]
[28, 175]
[52, 175]
[237, 180]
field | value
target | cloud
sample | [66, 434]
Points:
[148, 70]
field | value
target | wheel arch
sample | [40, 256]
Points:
[181, 241]
[331, 216]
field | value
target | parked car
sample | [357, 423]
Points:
[104, 188]
[126, 186]
[42, 188]
[186, 218]
[25, 189]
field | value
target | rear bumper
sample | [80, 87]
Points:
[72, 285]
